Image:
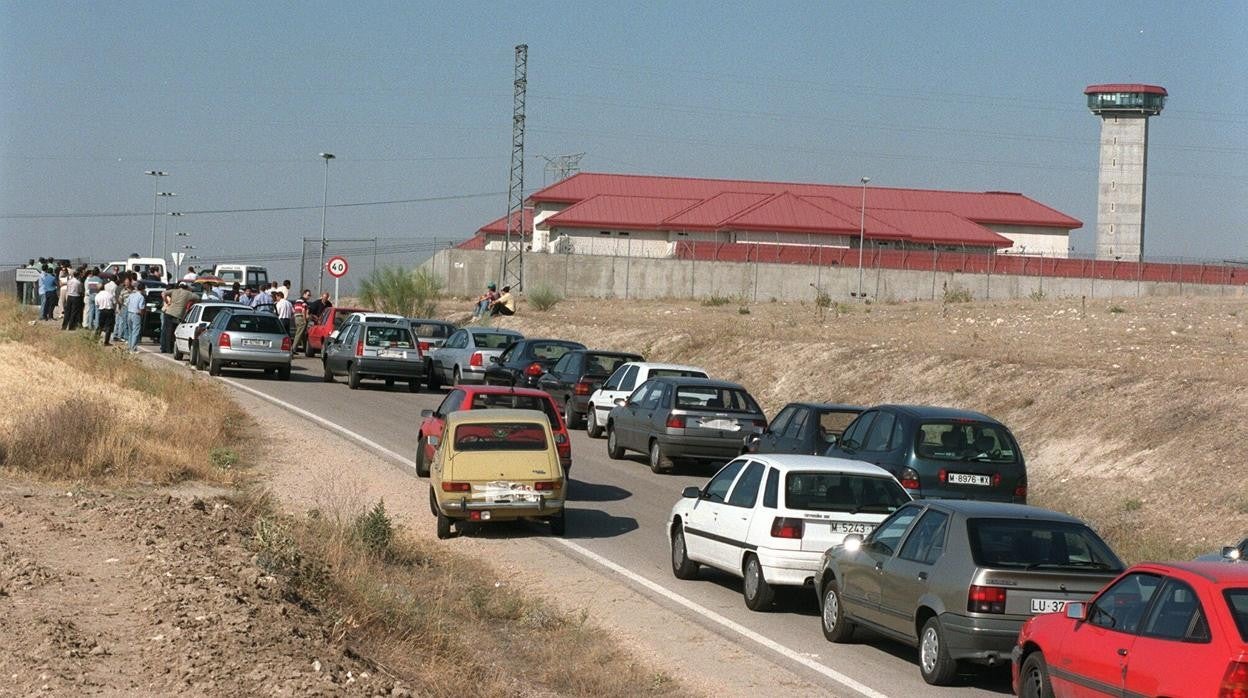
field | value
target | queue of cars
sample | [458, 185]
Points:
[907, 521]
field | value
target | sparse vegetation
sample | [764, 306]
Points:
[543, 298]
[957, 294]
[716, 301]
[1133, 505]
[374, 530]
[413, 293]
[1116, 309]
[1037, 295]
[743, 310]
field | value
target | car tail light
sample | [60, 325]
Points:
[909, 479]
[583, 388]
[545, 485]
[1235, 681]
[424, 346]
[1020, 490]
[359, 347]
[943, 476]
[996, 479]
[675, 422]
[759, 423]
[782, 527]
[534, 369]
[986, 600]
[223, 340]
[287, 343]
[456, 487]
[476, 359]
[561, 438]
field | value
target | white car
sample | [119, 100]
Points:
[197, 317]
[621, 384]
[368, 316]
[768, 518]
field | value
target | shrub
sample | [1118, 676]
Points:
[1037, 295]
[223, 457]
[402, 291]
[543, 298]
[1117, 309]
[823, 301]
[957, 294]
[374, 530]
[716, 301]
[743, 310]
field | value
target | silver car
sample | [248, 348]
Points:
[244, 338]
[374, 349]
[465, 355]
[958, 578]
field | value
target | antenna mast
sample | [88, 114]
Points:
[513, 257]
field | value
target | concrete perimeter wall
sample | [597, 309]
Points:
[591, 276]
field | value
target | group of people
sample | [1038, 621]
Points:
[492, 302]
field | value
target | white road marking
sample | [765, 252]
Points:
[655, 587]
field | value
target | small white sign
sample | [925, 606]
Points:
[178, 257]
[28, 274]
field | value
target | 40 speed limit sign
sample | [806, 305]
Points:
[337, 267]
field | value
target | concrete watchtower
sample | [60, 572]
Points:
[1124, 112]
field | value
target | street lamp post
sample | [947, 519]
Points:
[161, 195]
[862, 232]
[165, 243]
[320, 279]
[155, 175]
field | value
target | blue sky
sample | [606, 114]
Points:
[235, 100]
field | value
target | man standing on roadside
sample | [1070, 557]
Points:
[301, 319]
[190, 274]
[285, 311]
[47, 293]
[135, 307]
[318, 306]
[94, 283]
[71, 315]
[176, 301]
[104, 305]
[262, 298]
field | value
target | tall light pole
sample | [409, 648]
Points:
[160, 195]
[862, 232]
[320, 279]
[155, 175]
[165, 244]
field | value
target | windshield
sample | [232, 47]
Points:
[833, 423]
[398, 337]
[843, 492]
[263, 324]
[493, 340]
[965, 441]
[675, 373]
[500, 436]
[1237, 599]
[1036, 543]
[211, 312]
[604, 364]
[229, 276]
[550, 351]
[485, 401]
[706, 397]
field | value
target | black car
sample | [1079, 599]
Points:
[153, 301]
[803, 427]
[524, 361]
[939, 452]
[577, 375]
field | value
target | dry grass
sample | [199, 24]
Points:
[81, 411]
[438, 619]
[1109, 406]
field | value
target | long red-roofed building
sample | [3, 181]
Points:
[640, 215]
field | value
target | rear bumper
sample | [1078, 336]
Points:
[789, 567]
[701, 447]
[471, 374]
[384, 368]
[460, 508]
[579, 404]
[251, 359]
[984, 640]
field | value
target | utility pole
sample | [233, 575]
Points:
[155, 175]
[320, 278]
[560, 167]
[862, 233]
[512, 272]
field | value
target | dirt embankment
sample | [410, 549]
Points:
[1128, 411]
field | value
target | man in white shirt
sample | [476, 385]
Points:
[285, 311]
[135, 307]
[190, 274]
[105, 305]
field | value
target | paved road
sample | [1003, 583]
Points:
[618, 513]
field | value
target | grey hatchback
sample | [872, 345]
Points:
[939, 452]
[958, 579]
[379, 350]
[675, 418]
[244, 338]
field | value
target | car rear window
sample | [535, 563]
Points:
[493, 340]
[500, 436]
[397, 336]
[605, 364]
[675, 373]
[1039, 544]
[705, 397]
[431, 329]
[550, 351]
[263, 324]
[818, 491]
[1237, 599]
[965, 441]
[211, 312]
[485, 401]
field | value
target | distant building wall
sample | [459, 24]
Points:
[1047, 242]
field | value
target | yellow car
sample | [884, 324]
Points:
[496, 465]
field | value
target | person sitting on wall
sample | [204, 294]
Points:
[505, 304]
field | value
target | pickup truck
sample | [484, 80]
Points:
[330, 320]
[465, 355]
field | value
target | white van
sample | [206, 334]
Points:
[142, 265]
[244, 274]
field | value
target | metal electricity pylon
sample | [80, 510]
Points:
[512, 273]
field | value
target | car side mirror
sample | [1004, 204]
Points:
[852, 542]
[426, 413]
[830, 439]
[334, 335]
[691, 493]
[1077, 610]
[621, 402]
[495, 360]
[1231, 552]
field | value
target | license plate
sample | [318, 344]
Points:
[393, 353]
[1048, 605]
[968, 479]
[721, 424]
[255, 343]
[848, 527]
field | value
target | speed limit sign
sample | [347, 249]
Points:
[337, 267]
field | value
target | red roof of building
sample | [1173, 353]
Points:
[499, 226]
[613, 211]
[1125, 87]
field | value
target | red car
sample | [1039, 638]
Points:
[331, 319]
[476, 397]
[1159, 629]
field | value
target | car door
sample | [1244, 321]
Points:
[861, 580]
[907, 575]
[495, 371]
[628, 383]
[627, 422]
[882, 445]
[1092, 659]
[1175, 631]
[454, 348]
[855, 434]
[651, 417]
[791, 441]
[702, 531]
[186, 329]
[336, 349]
[554, 382]
[768, 441]
[736, 517]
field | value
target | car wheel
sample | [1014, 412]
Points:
[353, 378]
[435, 380]
[433, 502]
[326, 374]
[214, 367]
[389, 382]
[659, 462]
[591, 424]
[569, 416]
[1033, 678]
[457, 377]
[614, 452]
[558, 525]
[269, 371]
[413, 385]
[195, 357]
[682, 566]
[935, 664]
[177, 353]
[444, 526]
[422, 464]
[283, 373]
[759, 595]
[308, 351]
[836, 627]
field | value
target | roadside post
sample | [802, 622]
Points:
[337, 268]
[28, 277]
